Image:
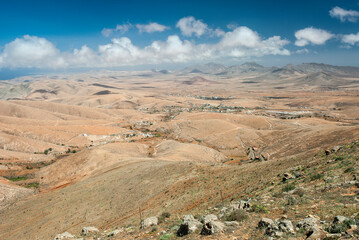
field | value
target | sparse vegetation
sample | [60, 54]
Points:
[258, 208]
[16, 179]
[288, 187]
[237, 215]
[32, 185]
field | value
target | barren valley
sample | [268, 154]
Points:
[111, 148]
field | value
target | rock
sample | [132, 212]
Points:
[286, 226]
[265, 222]
[189, 225]
[89, 230]
[310, 225]
[287, 176]
[331, 236]
[64, 235]
[212, 227]
[148, 222]
[336, 148]
[245, 205]
[208, 218]
[114, 232]
[231, 223]
[352, 229]
[226, 211]
[315, 234]
[297, 174]
[339, 219]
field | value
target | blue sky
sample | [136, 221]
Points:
[77, 34]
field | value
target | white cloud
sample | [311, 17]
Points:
[119, 28]
[218, 32]
[351, 39]
[301, 51]
[344, 15]
[189, 26]
[312, 35]
[240, 37]
[29, 52]
[151, 27]
[242, 42]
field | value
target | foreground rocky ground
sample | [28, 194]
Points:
[315, 200]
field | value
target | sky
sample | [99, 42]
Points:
[42, 36]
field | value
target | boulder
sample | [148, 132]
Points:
[64, 235]
[208, 218]
[339, 219]
[189, 225]
[212, 227]
[231, 224]
[310, 225]
[286, 226]
[265, 222]
[114, 232]
[287, 176]
[148, 222]
[336, 148]
[245, 205]
[276, 228]
[86, 231]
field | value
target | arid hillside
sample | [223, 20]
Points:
[109, 148]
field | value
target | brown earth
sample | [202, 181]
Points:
[77, 158]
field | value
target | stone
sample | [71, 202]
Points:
[339, 219]
[212, 227]
[148, 222]
[189, 225]
[64, 235]
[208, 218]
[245, 205]
[332, 236]
[114, 232]
[336, 148]
[231, 223]
[89, 230]
[273, 231]
[265, 222]
[287, 176]
[226, 211]
[308, 223]
[286, 226]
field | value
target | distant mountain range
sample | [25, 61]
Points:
[255, 69]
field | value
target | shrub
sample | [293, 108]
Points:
[349, 169]
[259, 208]
[338, 158]
[316, 176]
[339, 228]
[288, 187]
[300, 192]
[154, 229]
[15, 179]
[237, 215]
[163, 217]
[167, 236]
[291, 201]
[32, 185]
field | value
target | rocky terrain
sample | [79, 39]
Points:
[208, 152]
